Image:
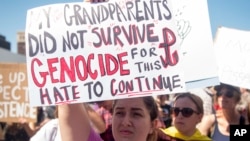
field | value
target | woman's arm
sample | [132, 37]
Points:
[29, 127]
[96, 119]
[74, 123]
[206, 124]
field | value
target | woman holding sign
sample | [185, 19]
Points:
[134, 119]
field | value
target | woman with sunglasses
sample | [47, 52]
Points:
[217, 125]
[187, 112]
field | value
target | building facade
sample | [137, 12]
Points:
[21, 43]
[3, 43]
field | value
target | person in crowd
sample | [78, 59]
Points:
[163, 103]
[50, 131]
[22, 130]
[187, 112]
[44, 115]
[244, 104]
[217, 125]
[105, 111]
[15, 132]
[133, 119]
[245, 93]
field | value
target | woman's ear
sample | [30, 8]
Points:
[200, 117]
[154, 124]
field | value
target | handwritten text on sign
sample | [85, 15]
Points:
[88, 52]
[232, 52]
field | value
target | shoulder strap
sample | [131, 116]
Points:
[242, 120]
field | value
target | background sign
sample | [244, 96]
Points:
[232, 52]
[14, 99]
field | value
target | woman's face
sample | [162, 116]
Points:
[131, 120]
[186, 125]
[226, 99]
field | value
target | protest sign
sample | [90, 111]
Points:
[232, 49]
[194, 33]
[82, 52]
[14, 99]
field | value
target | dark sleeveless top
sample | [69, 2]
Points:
[218, 136]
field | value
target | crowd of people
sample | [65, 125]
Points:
[204, 115]
[166, 117]
[144, 118]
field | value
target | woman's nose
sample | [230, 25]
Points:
[126, 120]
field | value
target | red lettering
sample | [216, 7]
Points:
[133, 34]
[109, 59]
[102, 70]
[122, 63]
[93, 75]
[79, 68]
[70, 71]
[42, 74]
[52, 69]
[169, 40]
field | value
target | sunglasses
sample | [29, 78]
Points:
[186, 112]
[228, 94]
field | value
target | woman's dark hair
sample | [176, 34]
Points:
[152, 107]
[150, 104]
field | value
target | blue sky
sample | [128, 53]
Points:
[228, 13]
